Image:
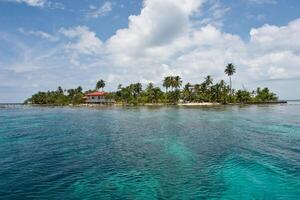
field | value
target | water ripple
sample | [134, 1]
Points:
[247, 152]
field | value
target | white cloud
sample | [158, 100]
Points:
[92, 7]
[102, 11]
[273, 51]
[41, 34]
[263, 1]
[41, 3]
[153, 39]
[163, 40]
[259, 17]
[214, 14]
[86, 41]
[160, 24]
[84, 45]
[274, 38]
[35, 3]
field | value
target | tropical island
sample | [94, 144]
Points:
[204, 93]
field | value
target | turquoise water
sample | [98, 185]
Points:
[232, 152]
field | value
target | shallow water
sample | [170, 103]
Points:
[230, 152]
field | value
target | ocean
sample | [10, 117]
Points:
[222, 152]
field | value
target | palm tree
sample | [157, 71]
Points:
[216, 92]
[177, 82]
[79, 89]
[60, 90]
[120, 87]
[135, 89]
[157, 94]
[230, 70]
[138, 88]
[100, 84]
[208, 80]
[167, 83]
[187, 92]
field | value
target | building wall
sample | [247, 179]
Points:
[98, 99]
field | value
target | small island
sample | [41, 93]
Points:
[205, 93]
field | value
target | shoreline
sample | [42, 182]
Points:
[193, 104]
[200, 104]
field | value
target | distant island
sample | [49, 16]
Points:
[204, 93]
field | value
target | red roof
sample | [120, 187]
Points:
[96, 94]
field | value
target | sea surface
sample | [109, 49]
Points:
[225, 152]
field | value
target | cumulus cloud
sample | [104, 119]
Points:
[163, 40]
[274, 38]
[271, 55]
[155, 32]
[154, 39]
[84, 45]
[85, 41]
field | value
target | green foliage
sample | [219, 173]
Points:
[230, 70]
[265, 95]
[134, 94]
[173, 82]
[74, 96]
[206, 91]
[130, 94]
[243, 96]
[100, 84]
[153, 94]
[187, 94]
[173, 96]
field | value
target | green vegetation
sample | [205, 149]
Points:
[100, 85]
[58, 97]
[61, 97]
[134, 94]
[230, 71]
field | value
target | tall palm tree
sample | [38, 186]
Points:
[167, 83]
[230, 70]
[208, 80]
[100, 84]
[177, 82]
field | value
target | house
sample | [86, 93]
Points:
[97, 98]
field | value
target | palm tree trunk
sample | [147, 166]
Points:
[230, 86]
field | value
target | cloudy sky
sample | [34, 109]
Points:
[47, 43]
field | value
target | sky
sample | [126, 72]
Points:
[49, 43]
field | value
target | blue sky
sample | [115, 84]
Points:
[47, 43]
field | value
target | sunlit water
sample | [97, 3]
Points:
[231, 152]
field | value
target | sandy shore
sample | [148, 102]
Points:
[150, 104]
[199, 104]
[153, 104]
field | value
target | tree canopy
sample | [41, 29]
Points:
[205, 91]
